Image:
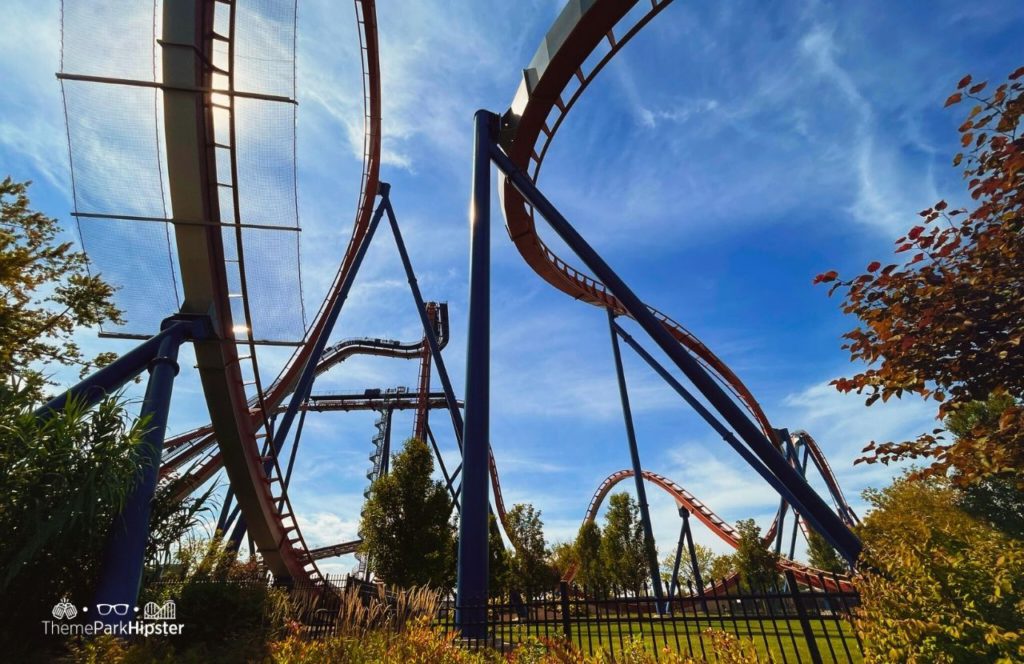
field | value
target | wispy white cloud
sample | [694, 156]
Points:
[889, 189]
[842, 426]
[31, 126]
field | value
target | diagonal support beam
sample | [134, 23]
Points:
[650, 549]
[792, 486]
[428, 329]
[125, 551]
[305, 381]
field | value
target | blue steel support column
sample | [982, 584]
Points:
[229, 522]
[225, 510]
[305, 381]
[673, 587]
[697, 580]
[796, 517]
[783, 435]
[701, 410]
[837, 499]
[428, 329]
[650, 550]
[471, 587]
[444, 470]
[121, 572]
[115, 375]
[793, 487]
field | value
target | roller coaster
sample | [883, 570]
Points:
[202, 89]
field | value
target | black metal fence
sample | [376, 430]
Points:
[784, 622]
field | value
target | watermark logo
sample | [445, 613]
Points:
[115, 609]
[64, 610]
[153, 611]
[153, 619]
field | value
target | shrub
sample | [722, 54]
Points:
[228, 608]
[937, 584]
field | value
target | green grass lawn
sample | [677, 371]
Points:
[783, 640]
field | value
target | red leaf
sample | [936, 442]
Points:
[874, 265]
[964, 82]
[941, 205]
[826, 276]
[1017, 74]
[915, 232]
[975, 89]
[904, 247]
[953, 99]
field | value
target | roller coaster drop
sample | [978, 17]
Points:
[516, 143]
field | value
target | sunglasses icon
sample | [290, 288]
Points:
[118, 609]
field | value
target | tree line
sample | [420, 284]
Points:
[409, 533]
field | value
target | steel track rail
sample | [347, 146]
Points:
[803, 573]
[193, 186]
[190, 444]
[552, 84]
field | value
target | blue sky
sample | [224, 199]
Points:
[729, 154]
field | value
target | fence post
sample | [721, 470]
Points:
[563, 588]
[805, 623]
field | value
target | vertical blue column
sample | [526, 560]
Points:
[796, 517]
[788, 452]
[471, 587]
[123, 558]
[698, 580]
[674, 587]
[650, 550]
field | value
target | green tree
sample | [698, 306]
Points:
[62, 481]
[591, 572]
[754, 559]
[721, 567]
[821, 555]
[499, 565]
[705, 561]
[622, 544]
[229, 612]
[561, 557]
[48, 293]
[530, 570]
[997, 499]
[937, 584]
[406, 529]
[173, 520]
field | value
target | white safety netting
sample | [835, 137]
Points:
[117, 151]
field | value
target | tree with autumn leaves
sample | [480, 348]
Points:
[941, 571]
[948, 323]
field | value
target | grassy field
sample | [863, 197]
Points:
[782, 640]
